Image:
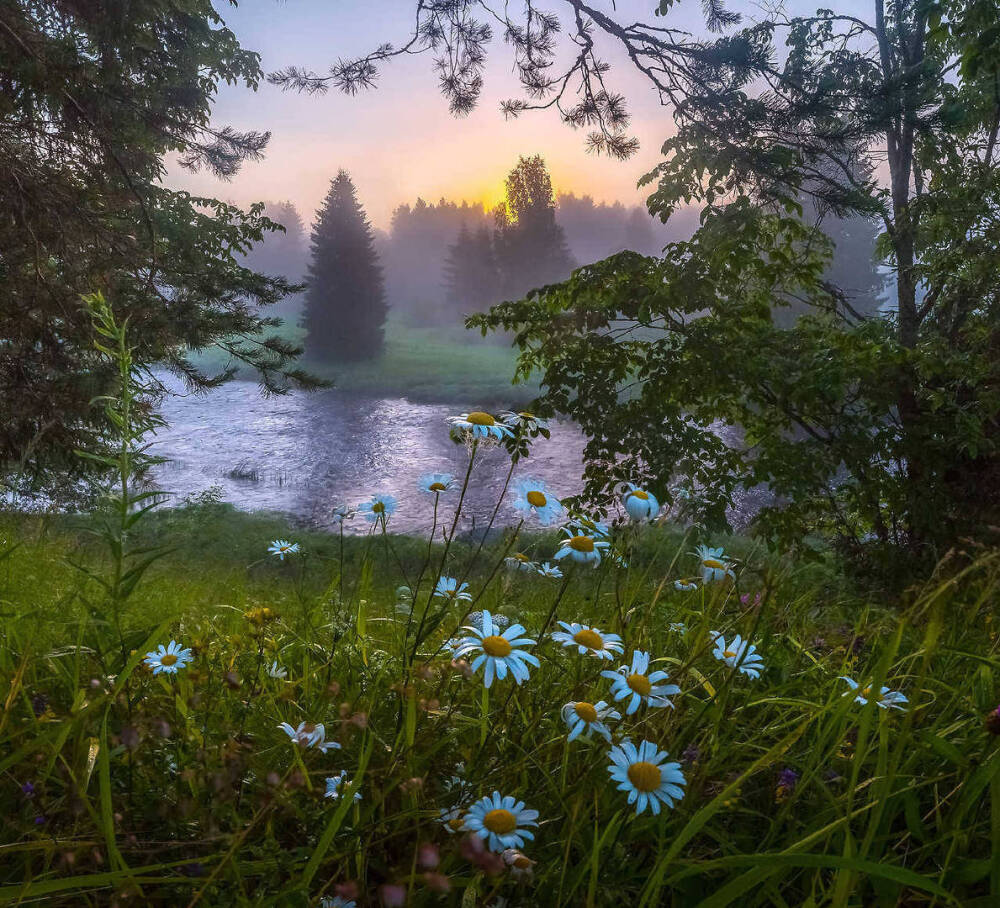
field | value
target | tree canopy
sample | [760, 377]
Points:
[93, 98]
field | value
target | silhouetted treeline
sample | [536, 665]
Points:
[439, 260]
[445, 260]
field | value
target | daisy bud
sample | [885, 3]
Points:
[346, 890]
[437, 882]
[471, 848]
[428, 856]
[392, 895]
[993, 721]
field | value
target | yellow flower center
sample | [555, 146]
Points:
[168, 659]
[588, 638]
[581, 543]
[866, 692]
[496, 646]
[378, 507]
[645, 776]
[477, 418]
[638, 493]
[586, 711]
[640, 684]
[729, 654]
[715, 563]
[522, 863]
[526, 415]
[500, 821]
[456, 823]
[308, 728]
[536, 499]
[437, 487]
[520, 556]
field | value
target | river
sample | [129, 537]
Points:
[304, 453]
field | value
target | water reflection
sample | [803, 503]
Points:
[310, 452]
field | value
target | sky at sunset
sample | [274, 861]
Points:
[399, 141]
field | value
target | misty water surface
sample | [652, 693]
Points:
[313, 451]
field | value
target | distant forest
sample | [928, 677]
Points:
[415, 251]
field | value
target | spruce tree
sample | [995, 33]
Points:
[345, 305]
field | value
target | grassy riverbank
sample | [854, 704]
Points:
[422, 364]
[120, 787]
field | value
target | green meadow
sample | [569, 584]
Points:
[122, 786]
[425, 364]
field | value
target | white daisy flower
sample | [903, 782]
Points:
[737, 653]
[678, 627]
[589, 640]
[343, 512]
[520, 562]
[168, 659]
[448, 588]
[452, 819]
[309, 735]
[499, 652]
[583, 548]
[642, 773]
[282, 547]
[481, 425]
[337, 901]
[436, 483]
[548, 570]
[639, 685]
[499, 621]
[713, 565]
[583, 718]
[276, 671]
[887, 699]
[534, 497]
[379, 507]
[526, 422]
[686, 584]
[639, 504]
[335, 783]
[501, 821]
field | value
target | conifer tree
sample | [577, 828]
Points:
[345, 305]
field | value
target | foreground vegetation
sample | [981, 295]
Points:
[180, 788]
[209, 708]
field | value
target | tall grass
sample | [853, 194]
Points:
[121, 787]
